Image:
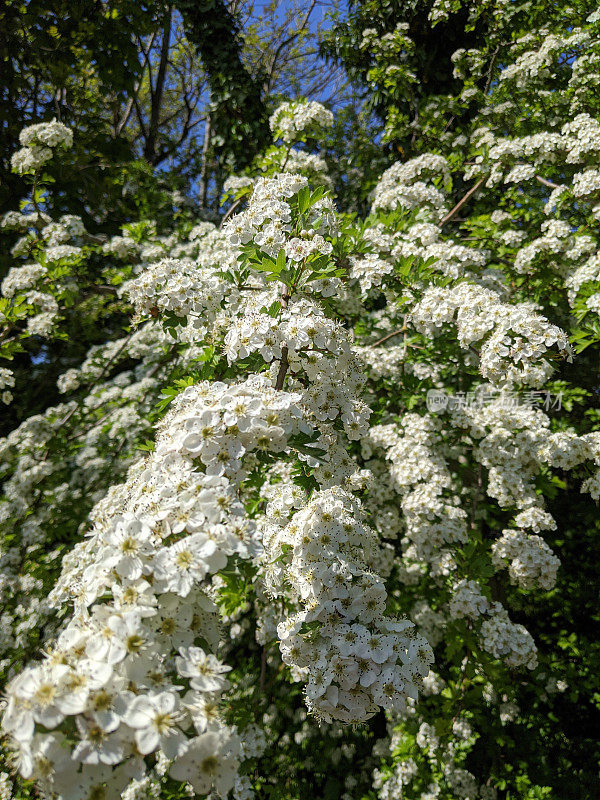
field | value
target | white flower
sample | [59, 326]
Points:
[209, 761]
[155, 720]
[42, 688]
[130, 539]
[119, 636]
[185, 563]
[98, 745]
[205, 671]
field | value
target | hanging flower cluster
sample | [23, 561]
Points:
[39, 142]
[355, 657]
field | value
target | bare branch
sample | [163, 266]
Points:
[547, 183]
[285, 42]
[461, 203]
[388, 336]
[130, 103]
[157, 94]
[204, 168]
[232, 209]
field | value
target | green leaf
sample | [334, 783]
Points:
[280, 263]
[303, 199]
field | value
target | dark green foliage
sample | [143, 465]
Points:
[238, 115]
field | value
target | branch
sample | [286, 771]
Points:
[388, 336]
[284, 363]
[172, 148]
[461, 203]
[130, 103]
[231, 209]
[491, 69]
[549, 184]
[158, 90]
[283, 366]
[204, 169]
[139, 115]
[285, 43]
[98, 378]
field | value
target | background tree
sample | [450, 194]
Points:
[152, 90]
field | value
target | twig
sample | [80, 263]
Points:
[284, 363]
[99, 377]
[284, 43]
[491, 69]
[129, 106]
[547, 183]
[231, 209]
[388, 336]
[283, 366]
[461, 203]
[204, 170]
[156, 94]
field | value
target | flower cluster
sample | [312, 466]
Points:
[434, 520]
[133, 672]
[38, 142]
[501, 637]
[425, 241]
[155, 539]
[514, 338]
[413, 185]
[7, 379]
[268, 219]
[355, 657]
[532, 562]
[298, 119]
